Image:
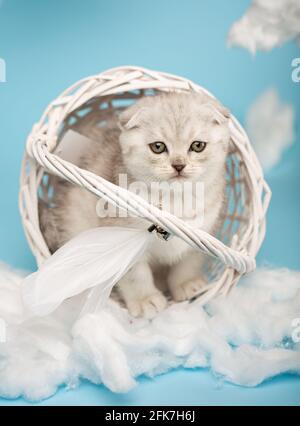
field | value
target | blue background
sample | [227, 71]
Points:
[48, 45]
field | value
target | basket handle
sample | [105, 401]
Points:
[37, 148]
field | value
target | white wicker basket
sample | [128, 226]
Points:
[86, 105]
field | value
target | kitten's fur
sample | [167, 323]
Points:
[177, 120]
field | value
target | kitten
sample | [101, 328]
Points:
[175, 137]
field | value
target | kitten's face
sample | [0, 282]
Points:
[174, 137]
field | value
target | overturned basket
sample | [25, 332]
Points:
[87, 105]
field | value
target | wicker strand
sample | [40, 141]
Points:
[251, 195]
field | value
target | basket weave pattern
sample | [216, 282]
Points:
[88, 105]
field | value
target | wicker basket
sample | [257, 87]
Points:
[87, 105]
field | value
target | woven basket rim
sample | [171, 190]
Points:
[43, 139]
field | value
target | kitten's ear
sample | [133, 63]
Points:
[131, 118]
[222, 114]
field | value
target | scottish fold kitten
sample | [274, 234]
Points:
[174, 137]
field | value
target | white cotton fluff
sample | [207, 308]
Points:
[270, 127]
[267, 24]
[245, 337]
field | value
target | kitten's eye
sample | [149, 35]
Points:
[198, 146]
[158, 147]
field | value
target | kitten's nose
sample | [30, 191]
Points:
[178, 167]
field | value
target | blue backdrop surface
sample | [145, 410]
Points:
[47, 45]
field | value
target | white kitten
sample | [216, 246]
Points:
[166, 138]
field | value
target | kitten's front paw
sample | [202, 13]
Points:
[147, 307]
[186, 290]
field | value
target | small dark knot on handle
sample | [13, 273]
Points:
[160, 232]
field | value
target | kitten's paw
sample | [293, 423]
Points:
[147, 307]
[187, 290]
